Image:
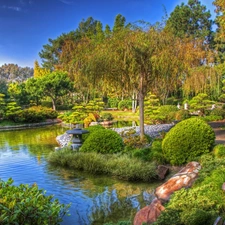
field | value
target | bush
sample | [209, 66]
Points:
[113, 102]
[219, 151]
[32, 116]
[182, 115]
[104, 141]
[187, 140]
[169, 217]
[125, 104]
[91, 129]
[156, 151]
[25, 204]
[107, 116]
[218, 112]
[36, 114]
[211, 118]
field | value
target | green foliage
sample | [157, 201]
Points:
[134, 141]
[113, 102]
[104, 141]
[191, 20]
[219, 151]
[37, 114]
[107, 116]
[164, 114]
[218, 112]
[121, 166]
[187, 140]
[156, 151]
[204, 200]
[26, 204]
[211, 118]
[2, 104]
[143, 154]
[169, 217]
[125, 104]
[91, 129]
[182, 114]
[198, 216]
[200, 102]
[13, 112]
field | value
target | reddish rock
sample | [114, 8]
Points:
[149, 213]
[162, 171]
[184, 178]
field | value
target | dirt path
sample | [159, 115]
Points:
[219, 129]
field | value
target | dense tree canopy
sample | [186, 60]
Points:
[13, 72]
[191, 20]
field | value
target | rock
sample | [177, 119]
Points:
[149, 213]
[184, 178]
[162, 171]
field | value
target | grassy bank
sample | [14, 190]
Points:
[121, 166]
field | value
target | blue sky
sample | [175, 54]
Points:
[26, 25]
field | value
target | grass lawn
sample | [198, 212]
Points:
[122, 115]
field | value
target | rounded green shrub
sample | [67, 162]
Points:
[219, 150]
[103, 141]
[187, 140]
[92, 129]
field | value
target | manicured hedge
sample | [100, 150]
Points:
[103, 141]
[187, 140]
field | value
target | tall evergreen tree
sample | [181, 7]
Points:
[191, 20]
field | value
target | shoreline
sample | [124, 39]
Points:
[30, 125]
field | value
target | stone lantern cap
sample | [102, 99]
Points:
[77, 131]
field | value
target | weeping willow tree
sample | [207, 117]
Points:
[203, 79]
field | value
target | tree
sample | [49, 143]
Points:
[13, 72]
[54, 85]
[50, 53]
[191, 20]
[220, 32]
[39, 71]
[34, 89]
[18, 93]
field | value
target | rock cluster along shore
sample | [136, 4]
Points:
[151, 130]
[183, 179]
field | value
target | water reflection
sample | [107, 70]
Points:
[94, 199]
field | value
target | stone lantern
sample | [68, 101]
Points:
[77, 137]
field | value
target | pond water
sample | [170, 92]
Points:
[94, 200]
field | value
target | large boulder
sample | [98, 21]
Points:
[149, 213]
[183, 179]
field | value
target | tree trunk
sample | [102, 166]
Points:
[53, 104]
[141, 108]
[133, 103]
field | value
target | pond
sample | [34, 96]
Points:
[94, 200]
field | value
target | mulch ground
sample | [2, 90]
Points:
[219, 129]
